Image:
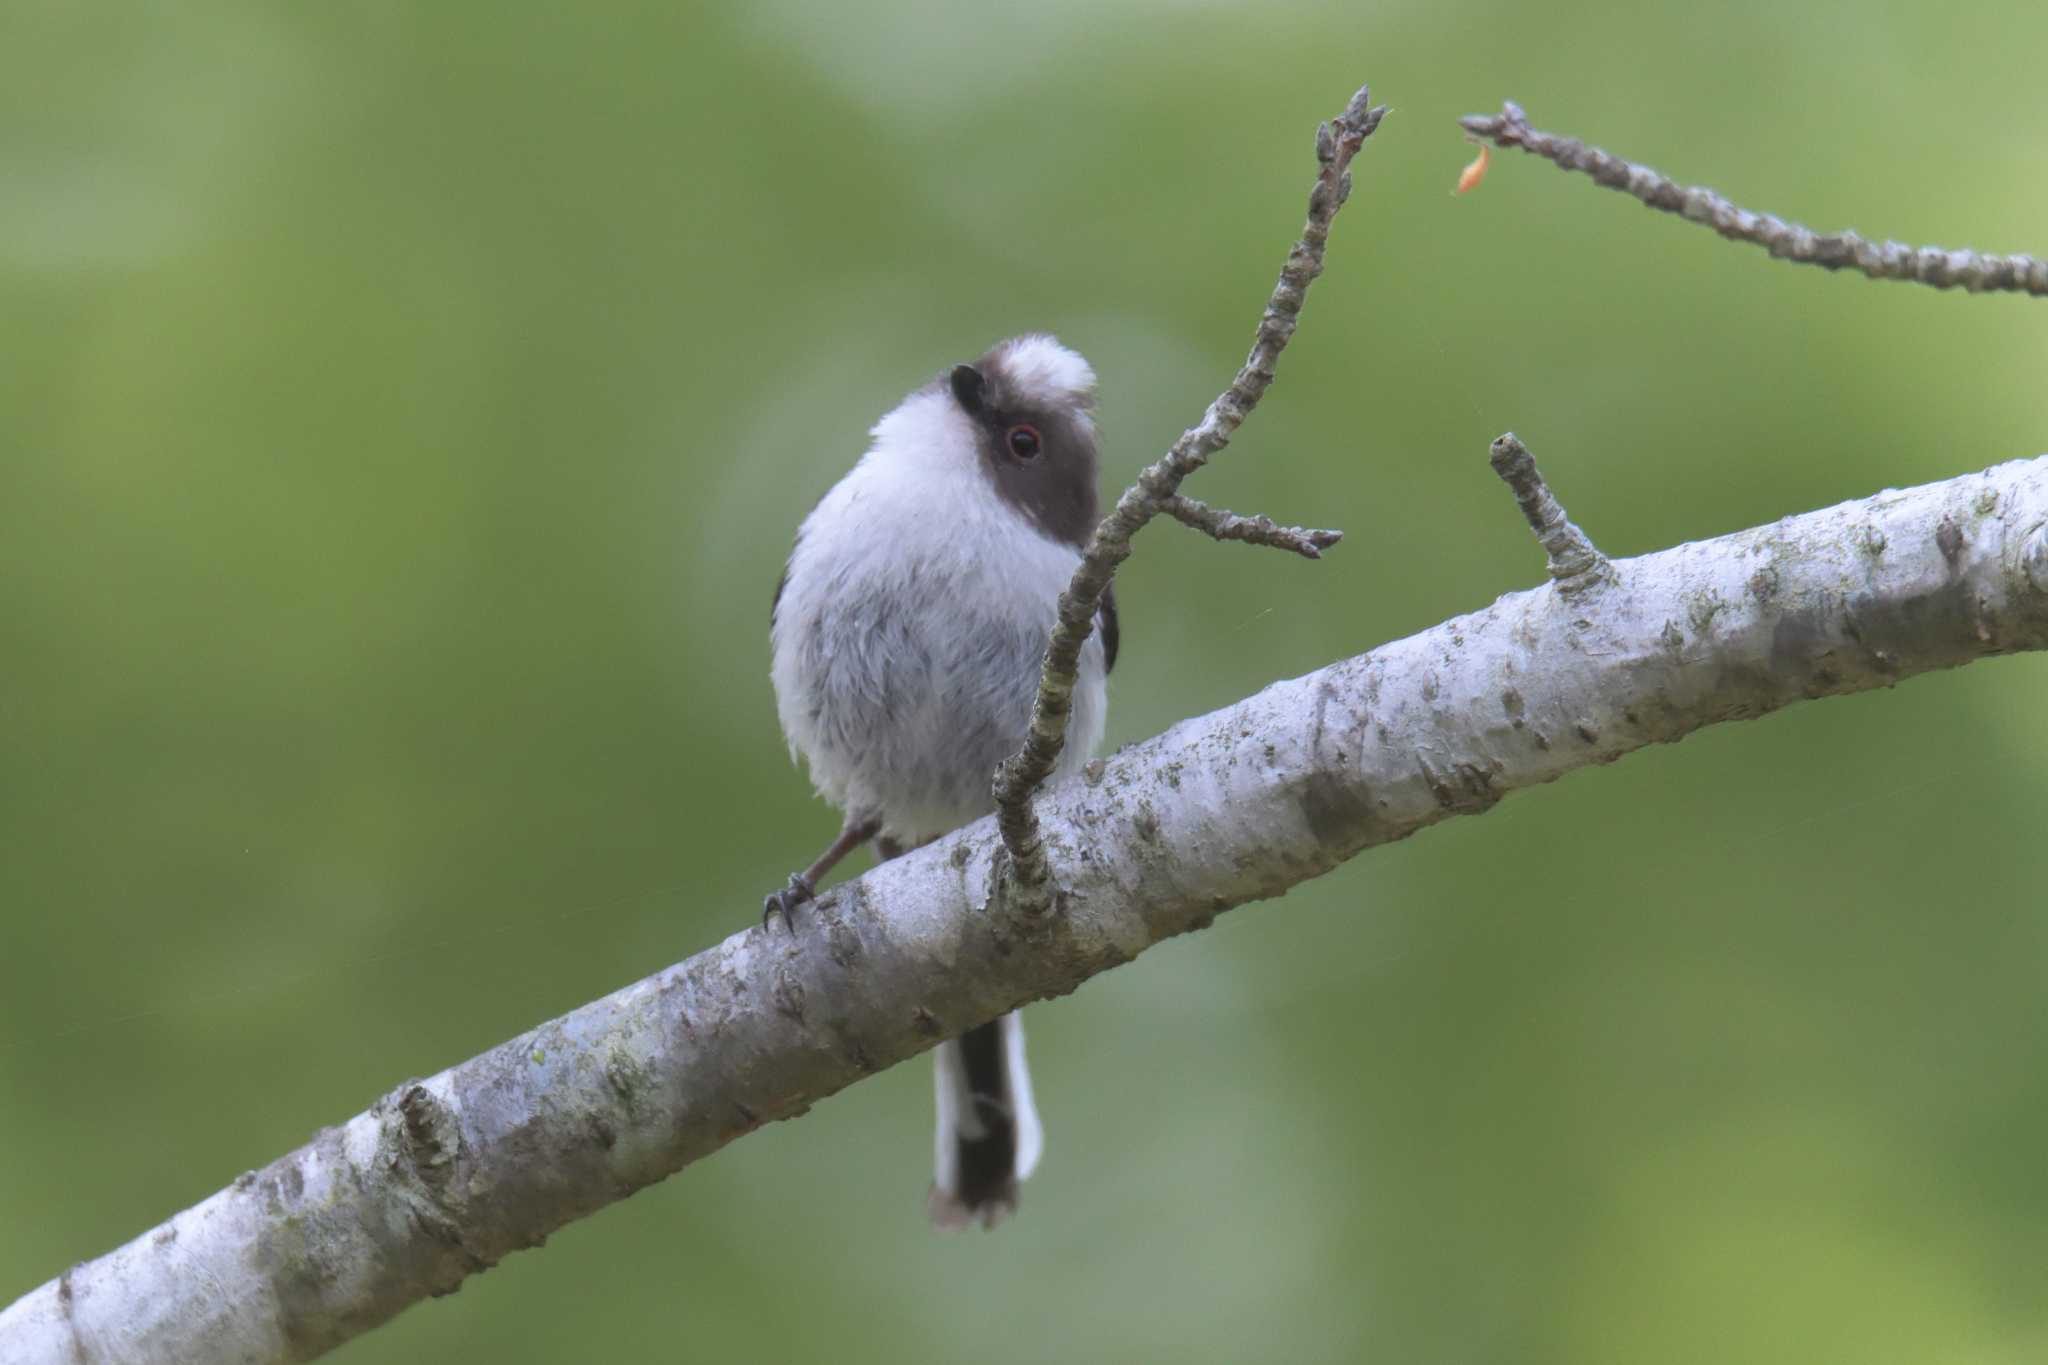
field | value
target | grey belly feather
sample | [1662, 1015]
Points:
[911, 707]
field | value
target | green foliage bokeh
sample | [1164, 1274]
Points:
[404, 411]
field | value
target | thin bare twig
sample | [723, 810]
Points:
[1222, 524]
[1575, 563]
[1930, 265]
[1027, 887]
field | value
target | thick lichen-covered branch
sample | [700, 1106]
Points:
[447, 1176]
[1028, 888]
[1931, 265]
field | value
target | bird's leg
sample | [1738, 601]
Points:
[803, 885]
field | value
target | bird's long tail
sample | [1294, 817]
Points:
[989, 1137]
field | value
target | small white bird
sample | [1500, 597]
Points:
[908, 630]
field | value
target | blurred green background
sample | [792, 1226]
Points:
[403, 414]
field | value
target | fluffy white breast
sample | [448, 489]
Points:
[919, 504]
[911, 624]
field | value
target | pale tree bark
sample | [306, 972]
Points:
[446, 1176]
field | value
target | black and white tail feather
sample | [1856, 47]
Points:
[989, 1137]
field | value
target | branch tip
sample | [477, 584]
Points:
[1221, 524]
[1360, 117]
[1571, 557]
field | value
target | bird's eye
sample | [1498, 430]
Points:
[1023, 441]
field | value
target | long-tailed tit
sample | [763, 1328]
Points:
[908, 631]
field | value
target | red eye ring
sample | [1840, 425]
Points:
[1023, 441]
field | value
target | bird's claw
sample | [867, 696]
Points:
[786, 901]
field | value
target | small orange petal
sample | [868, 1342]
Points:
[1469, 178]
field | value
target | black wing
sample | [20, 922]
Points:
[1105, 621]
